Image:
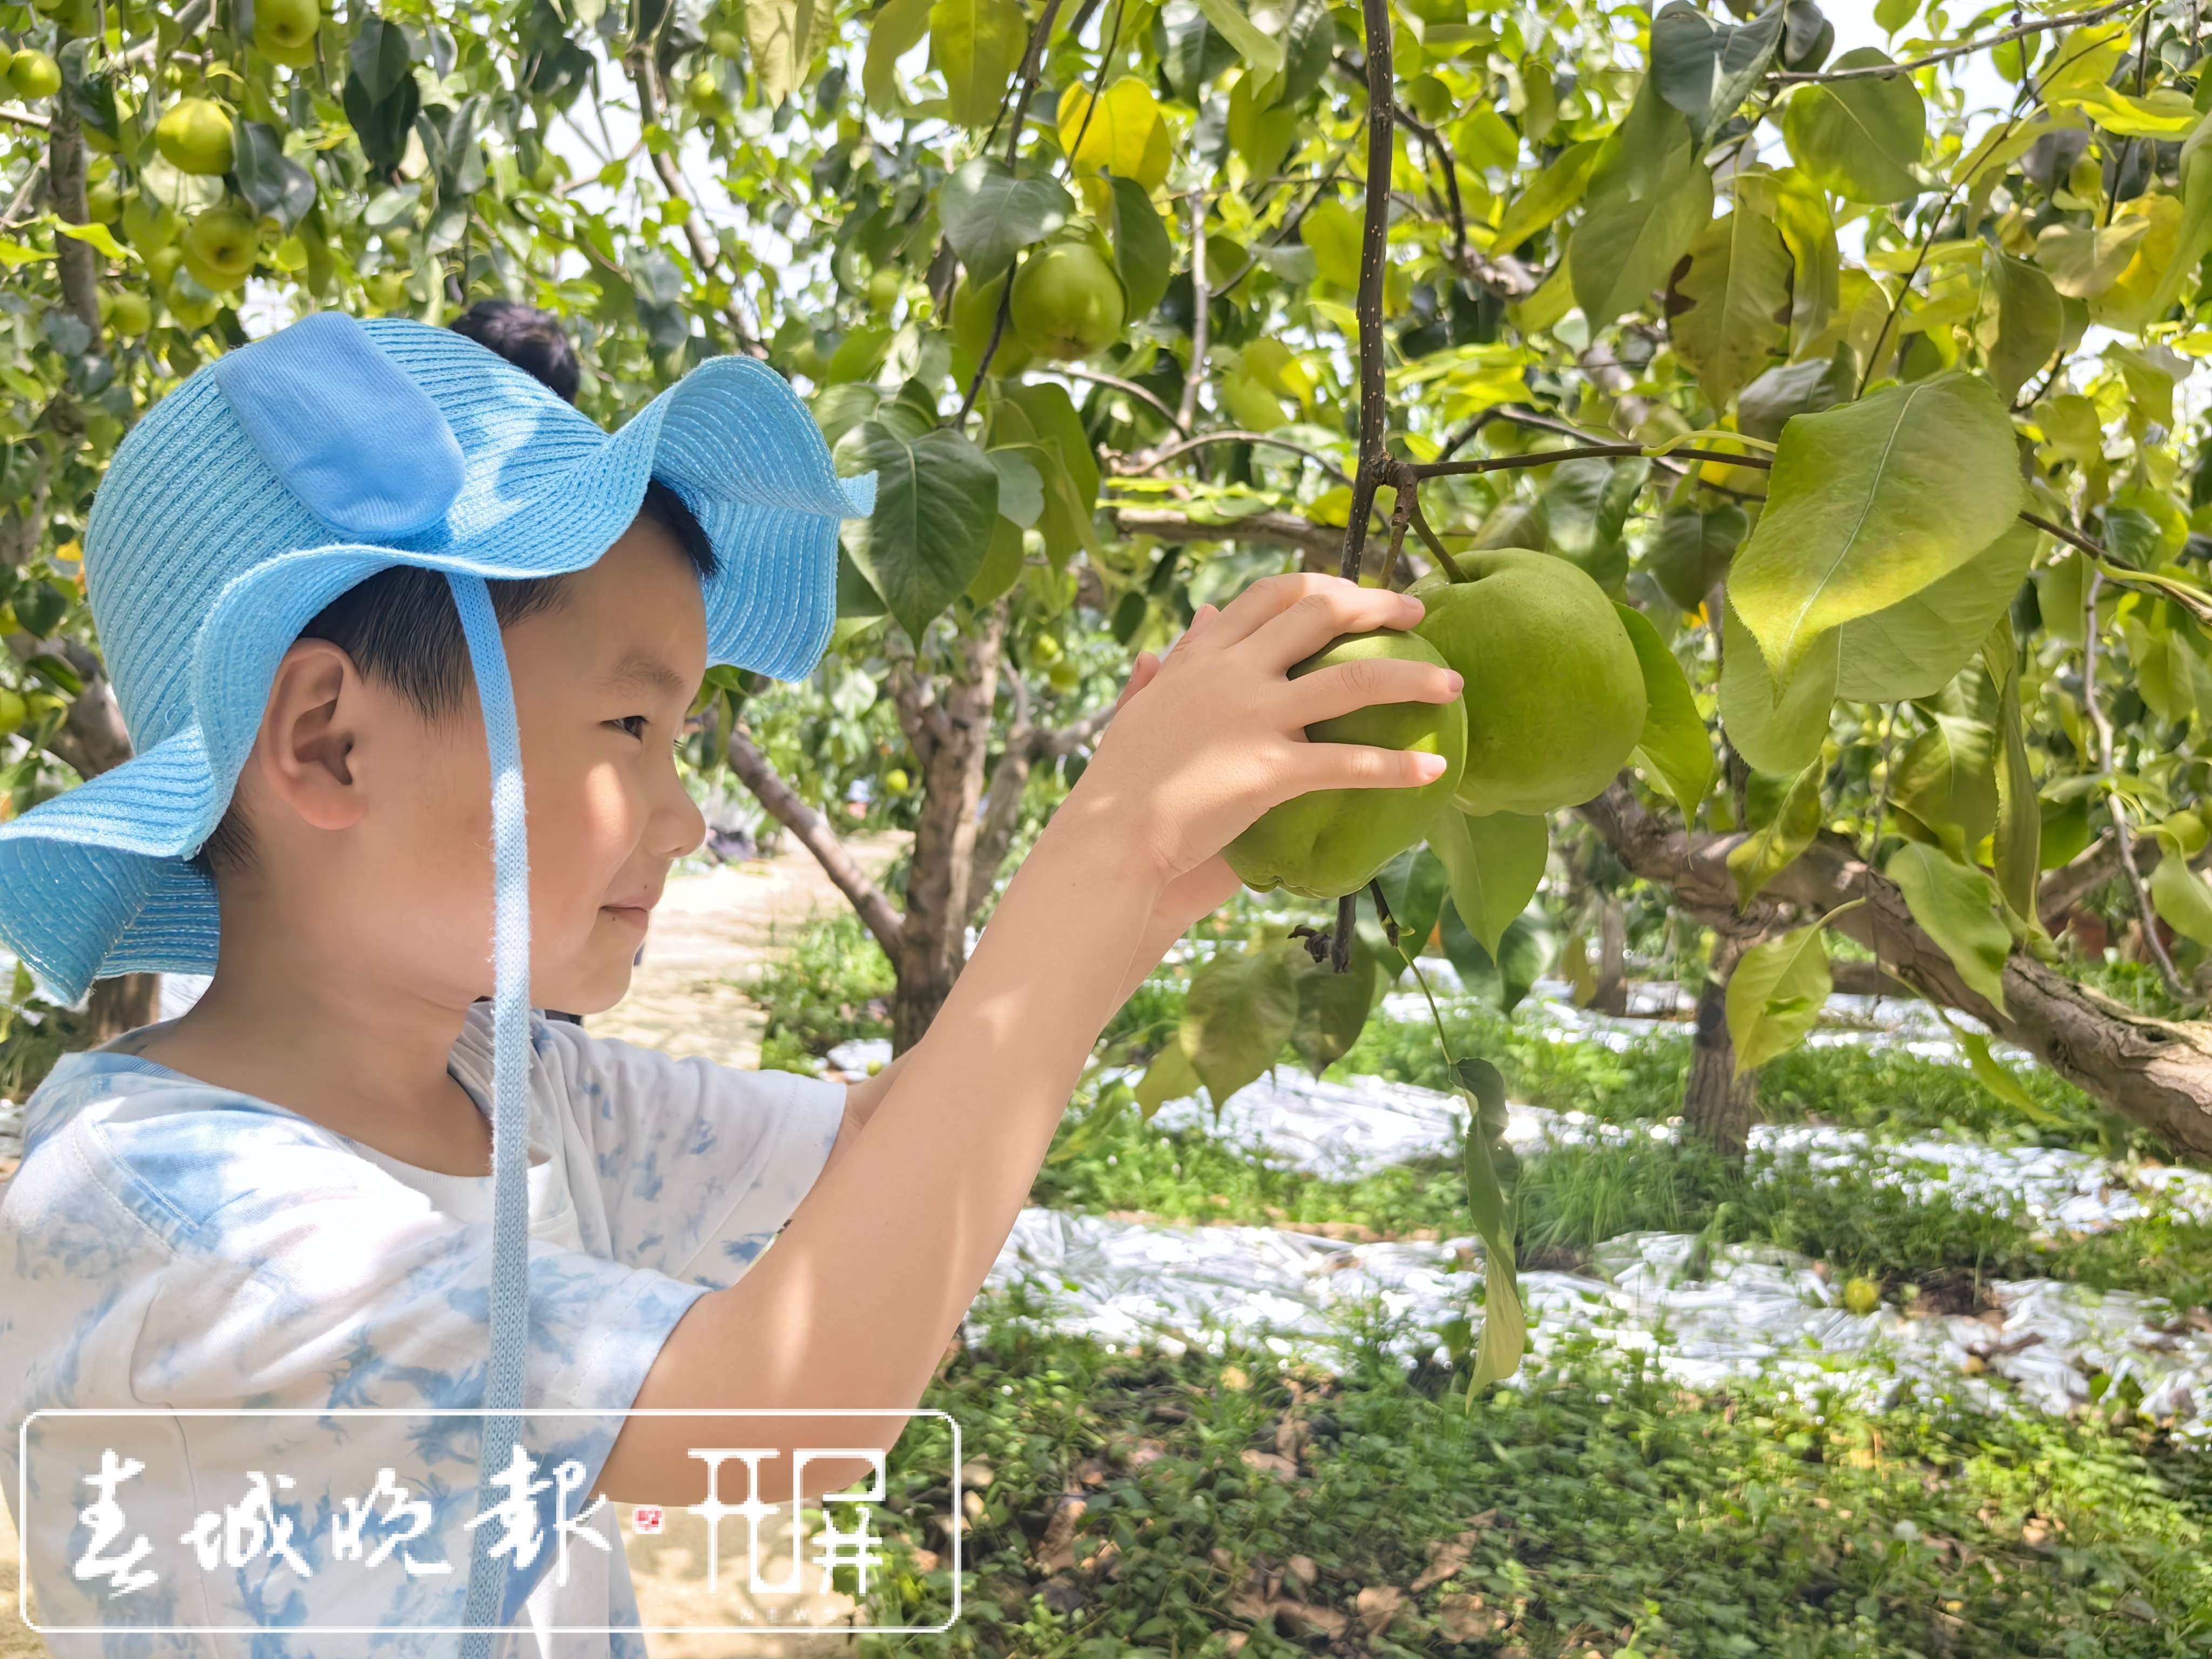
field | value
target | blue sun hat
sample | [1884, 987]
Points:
[284, 473]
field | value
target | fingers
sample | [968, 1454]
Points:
[1360, 765]
[1342, 687]
[1269, 597]
[1310, 622]
[1141, 674]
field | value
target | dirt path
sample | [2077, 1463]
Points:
[685, 999]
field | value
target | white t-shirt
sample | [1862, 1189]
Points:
[169, 1244]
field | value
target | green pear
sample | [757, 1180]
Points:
[1334, 842]
[1554, 694]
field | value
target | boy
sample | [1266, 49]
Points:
[277, 1201]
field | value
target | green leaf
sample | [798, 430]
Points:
[1502, 981]
[1953, 903]
[1414, 885]
[2177, 893]
[1554, 191]
[2016, 847]
[1870, 503]
[1783, 737]
[1262, 133]
[1774, 846]
[1002, 564]
[1674, 744]
[2194, 239]
[1333, 1008]
[989, 216]
[1765, 406]
[2029, 320]
[1142, 252]
[1915, 647]
[1774, 996]
[936, 497]
[977, 46]
[1946, 782]
[1492, 1171]
[1170, 1077]
[1262, 51]
[1691, 551]
[1859, 139]
[1332, 232]
[98, 236]
[1649, 196]
[1495, 863]
[1242, 1009]
[1738, 290]
[856, 596]
[1706, 69]
[2082, 261]
[1992, 1074]
[1021, 486]
[784, 36]
[893, 32]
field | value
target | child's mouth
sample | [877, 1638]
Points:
[636, 915]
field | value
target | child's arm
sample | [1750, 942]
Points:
[854, 1303]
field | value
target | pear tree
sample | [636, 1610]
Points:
[1789, 419]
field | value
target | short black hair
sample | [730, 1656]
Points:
[530, 339]
[401, 629]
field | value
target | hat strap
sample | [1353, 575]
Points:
[510, 1255]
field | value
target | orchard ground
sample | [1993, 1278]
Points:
[1124, 1497]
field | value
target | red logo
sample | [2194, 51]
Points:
[645, 1518]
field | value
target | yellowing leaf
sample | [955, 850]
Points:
[977, 46]
[2084, 260]
[97, 235]
[2162, 114]
[1126, 135]
[1774, 996]
[784, 36]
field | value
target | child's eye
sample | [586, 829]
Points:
[625, 723]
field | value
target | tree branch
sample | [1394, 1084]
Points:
[1118, 384]
[1201, 303]
[2156, 1073]
[1965, 49]
[78, 262]
[23, 117]
[1316, 541]
[815, 833]
[704, 253]
[1159, 458]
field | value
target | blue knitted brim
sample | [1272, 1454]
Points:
[95, 882]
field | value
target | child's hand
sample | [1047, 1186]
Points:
[1205, 741]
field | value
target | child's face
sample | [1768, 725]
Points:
[402, 890]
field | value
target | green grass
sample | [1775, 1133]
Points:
[833, 983]
[1574, 1197]
[1886, 1092]
[1604, 1508]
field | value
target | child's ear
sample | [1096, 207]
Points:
[306, 734]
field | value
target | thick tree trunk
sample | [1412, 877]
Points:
[934, 936]
[2156, 1073]
[1718, 1107]
[1611, 996]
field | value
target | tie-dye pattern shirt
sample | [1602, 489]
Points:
[171, 1245]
